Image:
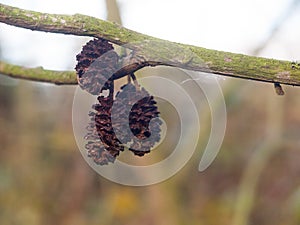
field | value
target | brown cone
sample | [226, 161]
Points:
[138, 108]
[96, 66]
[97, 62]
[103, 145]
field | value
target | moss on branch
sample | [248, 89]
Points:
[38, 74]
[148, 49]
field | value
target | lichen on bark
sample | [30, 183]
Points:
[153, 50]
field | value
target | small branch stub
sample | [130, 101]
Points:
[278, 89]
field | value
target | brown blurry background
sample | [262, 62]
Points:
[255, 178]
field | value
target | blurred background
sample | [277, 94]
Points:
[255, 178]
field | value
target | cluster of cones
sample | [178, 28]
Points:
[130, 119]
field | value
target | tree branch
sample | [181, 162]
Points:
[151, 51]
[38, 74]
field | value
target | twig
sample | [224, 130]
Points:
[38, 74]
[153, 51]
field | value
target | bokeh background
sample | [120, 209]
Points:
[255, 178]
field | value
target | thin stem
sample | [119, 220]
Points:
[38, 74]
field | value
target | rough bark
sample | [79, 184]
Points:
[149, 50]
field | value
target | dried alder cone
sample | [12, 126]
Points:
[103, 146]
[129, 119]
[96, 64]
[141, 108]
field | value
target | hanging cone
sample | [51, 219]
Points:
[136, 118]
[136, 108]
[97, 62]
[103, 145]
